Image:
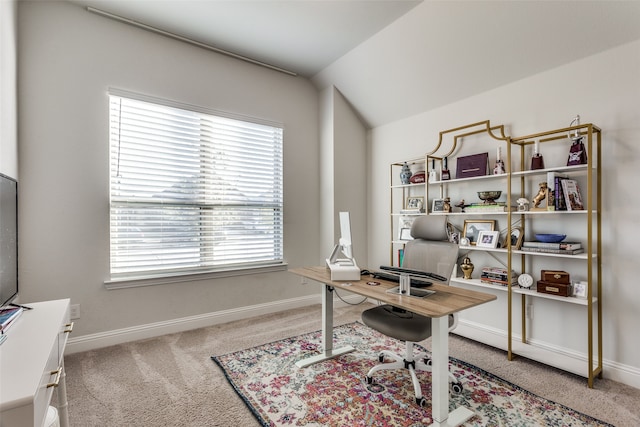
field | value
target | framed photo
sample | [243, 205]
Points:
[404, 228]
[414, 203]
[488, 239]
[517, 236]
[474, 226]
[579, 289]
[405, 234]
[438, 205]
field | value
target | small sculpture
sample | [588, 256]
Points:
[523, 204]
[467, 267]
[447, 205]
[542, 194]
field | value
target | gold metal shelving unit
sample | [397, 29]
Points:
[592, 135]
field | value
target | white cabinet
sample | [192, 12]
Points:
[32, 365]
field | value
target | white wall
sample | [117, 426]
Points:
[68, 59]
[604, 89]
[8, 96]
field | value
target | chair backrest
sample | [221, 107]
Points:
[430, 250]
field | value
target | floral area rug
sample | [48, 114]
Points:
[335, 393]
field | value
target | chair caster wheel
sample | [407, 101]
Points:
[456, 388]
[421, 401]
[427, 361]
[369, 380]
[381, 358]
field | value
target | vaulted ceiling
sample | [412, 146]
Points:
[393, 59]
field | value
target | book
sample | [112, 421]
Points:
[552, 251]
[549, 245]
[7, 317]
[572, 196]
[555, 193]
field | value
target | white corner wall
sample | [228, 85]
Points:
[604, 89]
[68, 58]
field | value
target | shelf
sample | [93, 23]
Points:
[473, 178]
[476, 248]
[418, 184]
[521, 291]
[582, 256]
[583, 211]
[561, 169]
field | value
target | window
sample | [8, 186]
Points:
[191, 192]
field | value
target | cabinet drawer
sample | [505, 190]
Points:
[50, 375]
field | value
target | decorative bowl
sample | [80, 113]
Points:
[489, 196]
[550, 238]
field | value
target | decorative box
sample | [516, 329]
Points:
[417, 178]
[552, 276]
[474, 165]
[559, 289]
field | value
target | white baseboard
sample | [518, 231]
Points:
[119, 336]
[548, 354]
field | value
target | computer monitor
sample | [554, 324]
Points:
[345, 234]
[344, 243]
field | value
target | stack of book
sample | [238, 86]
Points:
[497, 276]
[8, 316]
[564, 248]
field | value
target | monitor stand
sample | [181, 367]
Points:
[344, 269]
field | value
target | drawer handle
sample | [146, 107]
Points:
[68, 328]
[56, 381]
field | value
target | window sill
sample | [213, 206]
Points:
[151, 280]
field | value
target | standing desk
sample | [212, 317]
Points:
[447, 300]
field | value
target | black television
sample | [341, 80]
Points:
[8, 240]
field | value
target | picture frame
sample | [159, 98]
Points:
[437, 205]
[414, 202]
[516, 238]
[579, 289]
[473, 226]
[404, 228]
[405, 234]
[488, 239]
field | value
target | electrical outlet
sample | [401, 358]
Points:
[75, 311]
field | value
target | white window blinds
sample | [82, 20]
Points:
[192, 192]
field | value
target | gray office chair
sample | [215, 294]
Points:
[431, 252]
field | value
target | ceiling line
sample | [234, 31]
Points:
[188, 40]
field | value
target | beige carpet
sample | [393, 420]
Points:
[171, 380]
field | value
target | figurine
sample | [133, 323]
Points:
[467, 267]
[542, 193]
[447, 205]
[461, 205]
[523, 204]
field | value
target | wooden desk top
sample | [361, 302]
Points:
[445, 301]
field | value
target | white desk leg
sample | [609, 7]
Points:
[440, 377]
[327, 333]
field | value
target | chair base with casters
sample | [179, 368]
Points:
[410, 328]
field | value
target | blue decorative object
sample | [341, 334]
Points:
[550, 238]
[405, 174]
